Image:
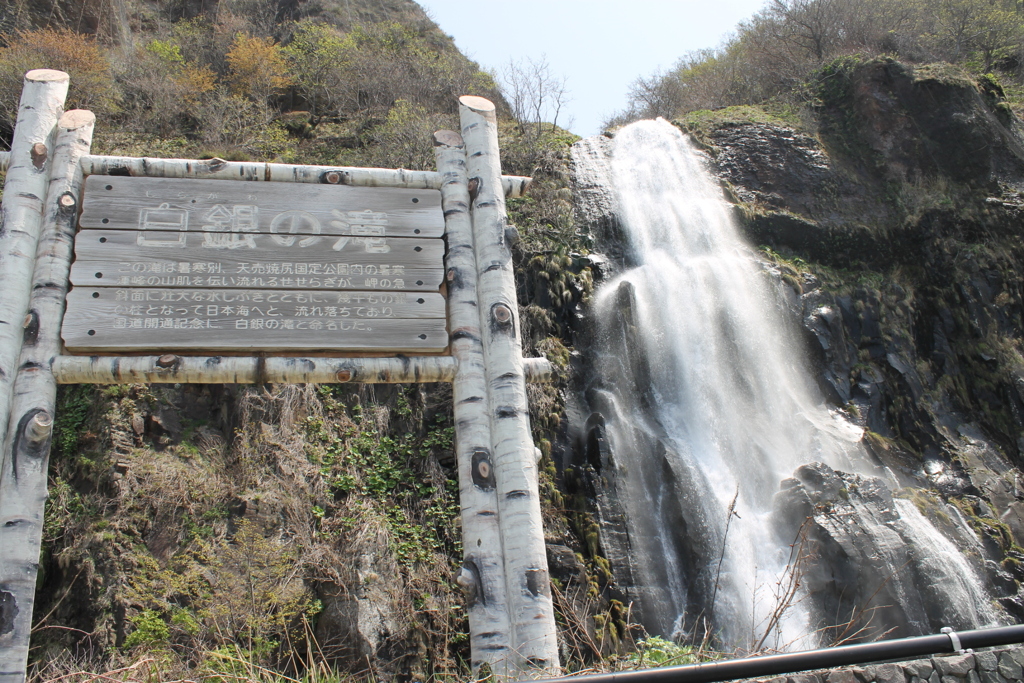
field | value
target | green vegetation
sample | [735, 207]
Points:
[781, 46]
[656, 651]
[196, 555]
[221, 85]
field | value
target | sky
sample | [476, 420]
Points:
[599, 46]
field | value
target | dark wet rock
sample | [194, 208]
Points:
[890, 122]
[594, 202]
[565, 566]
[869, 561]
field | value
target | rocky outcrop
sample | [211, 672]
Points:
[873, 565]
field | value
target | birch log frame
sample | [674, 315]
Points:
[171, 369]
[42, 102]
[27, 446]
[531, 610]
[482, 577]
[513, 186]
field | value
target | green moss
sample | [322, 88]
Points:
[943, 73]
[704, 121]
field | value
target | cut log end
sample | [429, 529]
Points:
[447, 138]
[46, 76]
[168, 360]
[77, 118]
[39, 155]
[38, 429]
[477, 104]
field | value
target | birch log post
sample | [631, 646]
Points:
[531, 610]
[27, 446]
[483, 568]
[172, 369]
[218, 169]
[42, 102]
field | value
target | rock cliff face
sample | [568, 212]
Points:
[891, 217]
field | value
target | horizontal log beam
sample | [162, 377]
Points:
[218, 169]
[169, 368]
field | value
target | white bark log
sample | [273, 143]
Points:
[42, 102]
[531, 611]
[172, 369]
[218, 169]
[27, 446]
[483, 570]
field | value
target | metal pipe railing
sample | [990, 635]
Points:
[827, 658]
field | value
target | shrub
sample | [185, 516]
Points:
[162, 89]
[403, 139]
[256, 68]
[92, 83]
[150, 630]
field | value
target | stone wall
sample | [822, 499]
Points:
[999, 665]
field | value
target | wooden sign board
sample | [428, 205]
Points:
[220, 320]
[295, 214]
[114, 258]
[223, 266]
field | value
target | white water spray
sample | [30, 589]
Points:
[708, 408]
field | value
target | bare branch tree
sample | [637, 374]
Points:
[535, 94]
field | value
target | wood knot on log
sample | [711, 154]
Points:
[30, 334]
[39, 155]
[168, 361]
[469, 581]
[537, 582]
[67, 202]
[502, 314]
[474, 187]
[511, 235]
[344, 375]
[8, 612]
[216, 163]
[482, 470]
[336, 178]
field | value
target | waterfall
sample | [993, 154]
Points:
[705, 409]
[955, 589]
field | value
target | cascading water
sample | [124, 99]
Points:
[706, 410]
